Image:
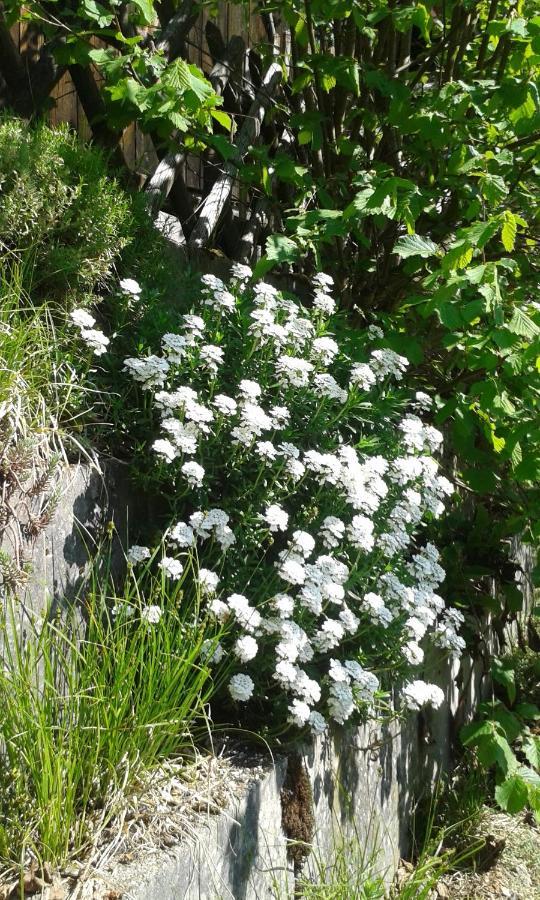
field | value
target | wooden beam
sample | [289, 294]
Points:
[218, 196]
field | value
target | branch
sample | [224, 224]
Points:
[485, 37]
[258, 221]
[216, 200]
[162, 179]
[175, 32]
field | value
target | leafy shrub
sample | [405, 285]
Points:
[61, 214]
[268, 459]
[505, 737]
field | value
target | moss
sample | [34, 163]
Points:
[297, 809]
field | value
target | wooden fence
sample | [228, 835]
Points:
[137, 149]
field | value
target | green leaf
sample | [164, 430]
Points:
[222, 117]
[96, 13]
[415, 245]
[146, 8]
[522, 324]
[512, 794]
[531, 749]
[509, 230]
[281, 249]
[506, 677]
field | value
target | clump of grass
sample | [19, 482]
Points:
[352, 872]
[89, 704]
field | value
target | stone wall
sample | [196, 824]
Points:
[364, 783]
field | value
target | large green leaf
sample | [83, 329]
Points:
[512, 794]
[415, 245]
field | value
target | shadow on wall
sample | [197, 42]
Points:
[88, 500]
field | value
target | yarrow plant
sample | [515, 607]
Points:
[302, 479]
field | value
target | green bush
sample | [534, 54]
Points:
[61, 215]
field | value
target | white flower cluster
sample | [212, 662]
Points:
[95, 339]
[312, 556]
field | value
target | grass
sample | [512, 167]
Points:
[87, 706]
[445, 840]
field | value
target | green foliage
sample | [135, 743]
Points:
[140, 80]
[63, 219]
[87, 710]
[410, 173]
[505, 739]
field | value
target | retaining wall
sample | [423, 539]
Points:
[363, 782]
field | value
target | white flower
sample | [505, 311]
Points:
[295, 469]
[219, 609]
[329, 635]
[348, 619]
[246, 648]
[266, 450]
[299, 713]
[212, 652]
[283, 605]
[327, 386]
[418, 693]
[317, 723]
[194, 473]
[363, 376]
[182, 535]
[211, 356]
[96, 340]
[211, 283]
[276, 517]
[240, 272]
[303, 543]
[322, 281]
[341, 702]
[332, 531]
[241, 687]
[324, 349]
[360, 533]
[221, 300]
[225, 405]
[131, 287]
[194, 324]
[183, 436]
[166, 449]
[294, 371]
[175, 346]
[387, 363]
[151, 614]
[247, 616]
[172, 567]
[285, 674]
[423, 401]
[324, 303]
[377, 611]
[280, 416]
[151, 371]
[375, 333]
[82, 318]
[208, 581]
[137, 554]
[292, 571]
[250, 389]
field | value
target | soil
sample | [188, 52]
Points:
[508, 868]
